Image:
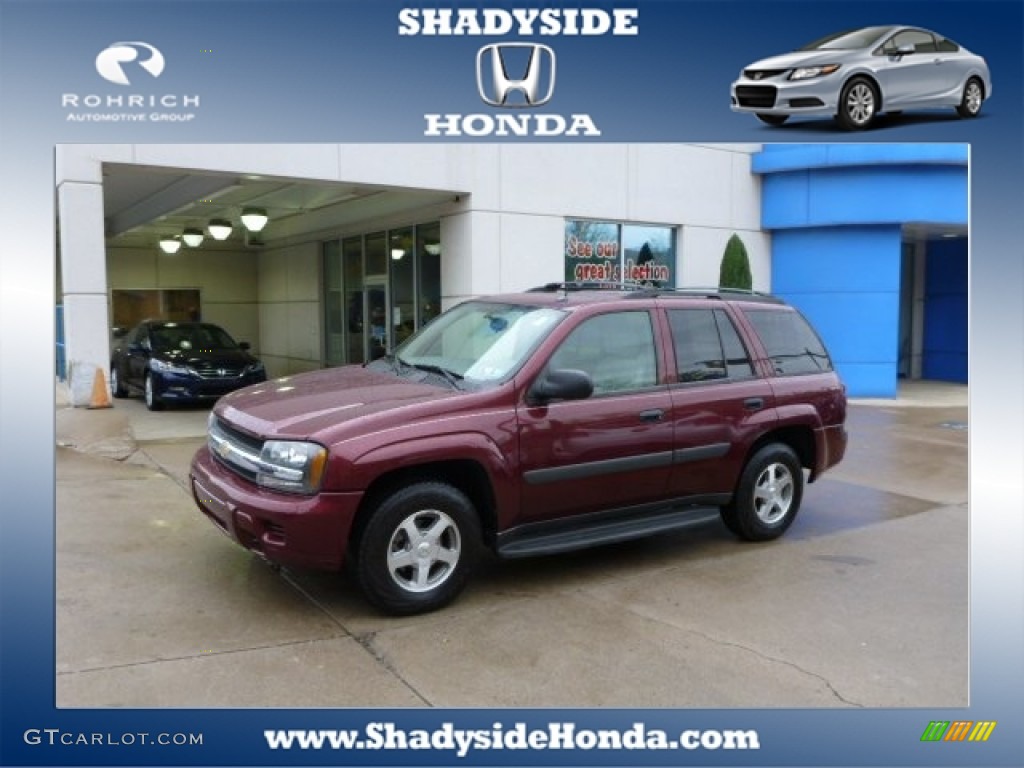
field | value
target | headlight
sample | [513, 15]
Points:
[164, 367]
[287, 465]
[806, 73]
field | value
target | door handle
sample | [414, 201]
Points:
[655, 414]
[753, 403]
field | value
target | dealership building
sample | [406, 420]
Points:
[325, 254]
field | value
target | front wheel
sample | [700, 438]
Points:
[153, 401]
[768, 495]
[418, 548]
[970, 104]
[858, 103]
[772, 119]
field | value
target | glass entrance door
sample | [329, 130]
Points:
[375, 300]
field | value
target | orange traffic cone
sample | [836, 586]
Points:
[100, 397]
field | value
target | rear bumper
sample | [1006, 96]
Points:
[831, 447]
[292, 530]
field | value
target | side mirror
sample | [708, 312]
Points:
[245, 346]
[561, 384]
[903, 50]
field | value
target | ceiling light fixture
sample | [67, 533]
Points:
[397, 253]
[254, 219]
[219, 229]
[193, 237]
[434, 249]
[170, 244]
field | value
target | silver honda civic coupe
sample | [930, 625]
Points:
[856, 75]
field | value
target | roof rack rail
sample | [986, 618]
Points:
[710, 292]
[592, 285]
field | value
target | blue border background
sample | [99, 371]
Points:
[339, 72]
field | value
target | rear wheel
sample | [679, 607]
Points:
[970, 104]
[772, 119]
[768, 495]
[418, 548]
[116, 387]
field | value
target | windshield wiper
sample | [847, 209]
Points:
[451, 377]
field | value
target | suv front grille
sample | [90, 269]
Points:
[756, 96]
[233, 449]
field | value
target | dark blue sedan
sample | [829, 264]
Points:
[182, 363]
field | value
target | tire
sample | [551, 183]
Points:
[418, 548]
[153, 402]
[768, 494]
[858, 104]
[772, 119]
[974, 95]
[116, 386]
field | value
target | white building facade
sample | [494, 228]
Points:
[365, 243]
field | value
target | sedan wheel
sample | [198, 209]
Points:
[857, 104]
[417, 548]
[973, 96]
[152, 398]
[116, 387]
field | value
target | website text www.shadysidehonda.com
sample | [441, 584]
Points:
[520, 737]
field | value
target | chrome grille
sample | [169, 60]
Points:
[235, 450]
[218, 371]
[761, 74]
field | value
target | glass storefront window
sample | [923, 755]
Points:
[352, 267]
[403, 293]
[378, 290]
[428, 253]
[611, 252]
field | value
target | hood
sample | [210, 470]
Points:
[801, 59]
[310, 405]
[194, 357]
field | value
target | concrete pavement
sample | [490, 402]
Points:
[863, 603]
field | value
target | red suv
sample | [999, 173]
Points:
[560, 418]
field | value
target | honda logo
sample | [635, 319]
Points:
[496, 90]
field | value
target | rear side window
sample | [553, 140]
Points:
[707, 346]
[791, 343]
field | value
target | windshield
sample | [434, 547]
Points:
[191, 337]
[849, 40]
[480, 341]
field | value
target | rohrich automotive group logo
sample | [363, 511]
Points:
[515, 77]
[122, 64]
[111, 60]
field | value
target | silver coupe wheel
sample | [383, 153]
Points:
[773, 493]
[860, 104]
[424, 551]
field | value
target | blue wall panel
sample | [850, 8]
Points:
[888, 194]
[945, 311]
[846, 281]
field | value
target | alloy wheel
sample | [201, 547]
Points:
[860, 104]
[773, 493]
[424, 551]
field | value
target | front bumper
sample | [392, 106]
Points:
[293, 530]
[175, 387]
[779, 96]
